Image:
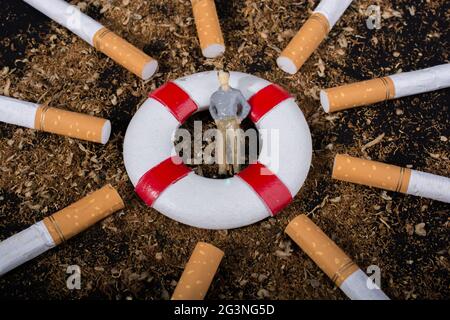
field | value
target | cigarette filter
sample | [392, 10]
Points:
[98, 36]
[390, 177]
[357, 94]
[44, 118]
[208, 28]
[72, 124]
[198, 273]
[332, 260]
[57, 228]
[311, 34]
[125, 54]
[381, 89]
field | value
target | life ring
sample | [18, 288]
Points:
[258, 191]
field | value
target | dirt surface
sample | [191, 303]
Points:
[141, 254]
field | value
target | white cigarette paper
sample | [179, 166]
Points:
[97, 36]
[420, 81]
[311, 34]
[24, 246]
[358, 286]
[429, 186]
[381, 89]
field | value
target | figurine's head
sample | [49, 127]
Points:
[224, 78]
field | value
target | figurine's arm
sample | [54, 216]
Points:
[213, 109]
[245, 107]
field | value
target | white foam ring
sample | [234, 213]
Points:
[332, 9]
[213, 203]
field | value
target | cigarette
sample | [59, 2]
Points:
[332, 260]
[208, 28]
[62, 122]
[98, 36]
[198, 273]
[311, 34]
[392, 178]
[386, 88]
[57, 228]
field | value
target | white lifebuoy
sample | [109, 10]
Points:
[174, 190]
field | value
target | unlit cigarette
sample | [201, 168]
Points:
[390, 177]
[198, 273]
[311, 34]
[208, 28]
[98, 36]
[380, 89]
[62, 122]
[58, 228]
[332, 260]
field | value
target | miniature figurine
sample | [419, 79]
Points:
[228, 107]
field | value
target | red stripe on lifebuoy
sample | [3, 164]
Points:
[176, 100]
[266, 99]
[158, 178]
[267, 185]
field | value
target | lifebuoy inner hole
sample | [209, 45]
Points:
[188, 133]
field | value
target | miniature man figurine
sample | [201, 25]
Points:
[228, 108]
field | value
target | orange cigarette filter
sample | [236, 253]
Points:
[72, 124]
[84, 213]
[124, 53]
[358, 94]
[305, 42]
[208, 28]
[198, 273]
[321, 249]
[371, 173]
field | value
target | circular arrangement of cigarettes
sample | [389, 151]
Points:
[163, 182]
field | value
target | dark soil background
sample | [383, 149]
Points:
[140, 254]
